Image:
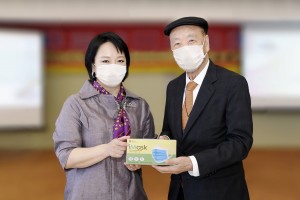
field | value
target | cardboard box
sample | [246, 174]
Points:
[150, 151]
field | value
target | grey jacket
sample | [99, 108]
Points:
[86, 120]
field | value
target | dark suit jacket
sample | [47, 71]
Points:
[218, 133]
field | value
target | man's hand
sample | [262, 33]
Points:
[176, 165]
[164, 137]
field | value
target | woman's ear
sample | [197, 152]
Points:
[93, 68]
[93, 71]
[206, 45]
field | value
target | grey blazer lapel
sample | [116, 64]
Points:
[205, 93]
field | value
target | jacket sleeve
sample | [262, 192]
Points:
[67, 134]
[149, 128]
[166, 128]
[238, 140]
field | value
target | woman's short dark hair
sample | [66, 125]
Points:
[100, 39]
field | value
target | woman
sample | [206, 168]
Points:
[94, 124]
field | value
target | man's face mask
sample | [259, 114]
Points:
[189, 57]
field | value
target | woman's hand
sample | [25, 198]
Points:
[117, 147]
[132, 167]
[84, 157]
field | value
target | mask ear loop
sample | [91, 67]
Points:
[203, 45]
[94, 73]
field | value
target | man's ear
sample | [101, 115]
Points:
[206, 45]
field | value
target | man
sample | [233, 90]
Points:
[208, 112]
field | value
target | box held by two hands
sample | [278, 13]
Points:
[150, 151]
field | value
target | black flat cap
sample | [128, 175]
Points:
[197, 21]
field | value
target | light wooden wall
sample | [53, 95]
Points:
[279, 129]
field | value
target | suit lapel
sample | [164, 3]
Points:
[205, 93]
[178, 97]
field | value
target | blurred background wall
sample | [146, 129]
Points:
[272, 129]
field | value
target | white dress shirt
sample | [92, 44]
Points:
[199, 80]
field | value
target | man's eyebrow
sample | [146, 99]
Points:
[191, 35]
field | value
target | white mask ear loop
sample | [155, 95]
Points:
[203, 45]
[94, 71]
[93, 67]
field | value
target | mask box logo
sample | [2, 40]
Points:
[150, 151]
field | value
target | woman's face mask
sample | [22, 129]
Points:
[110, 65]
[110, 75]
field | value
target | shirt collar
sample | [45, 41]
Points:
[88, 91]
[200, 77]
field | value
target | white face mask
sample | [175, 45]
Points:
[189, 57]
[110, 75]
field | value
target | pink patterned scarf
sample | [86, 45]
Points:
[121, 125]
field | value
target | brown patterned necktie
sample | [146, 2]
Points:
[188, 103]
